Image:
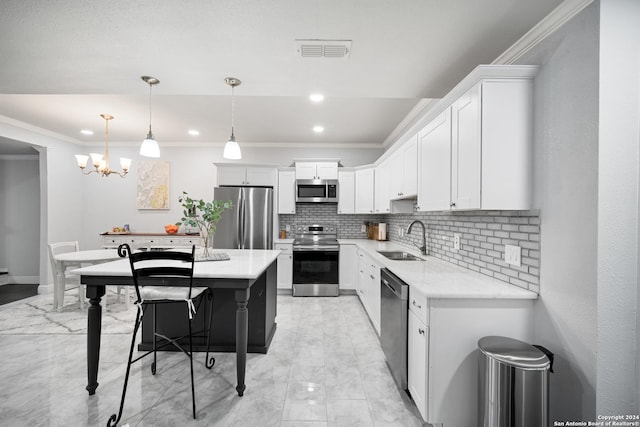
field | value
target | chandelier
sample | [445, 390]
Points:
[101, 162]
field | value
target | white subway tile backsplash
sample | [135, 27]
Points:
[483, 235]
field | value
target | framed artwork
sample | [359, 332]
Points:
[153, 184]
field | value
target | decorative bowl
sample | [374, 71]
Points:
[171, 228]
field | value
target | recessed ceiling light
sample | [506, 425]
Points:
[316, 97]
[86, 132]
[194, 132]
[318, 129]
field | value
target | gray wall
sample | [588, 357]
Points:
[619, 102]
[20, 217]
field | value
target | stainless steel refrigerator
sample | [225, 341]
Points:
[249, 223]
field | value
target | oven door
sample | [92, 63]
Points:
[315, 266]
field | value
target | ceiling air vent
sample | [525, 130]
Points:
[323, 48]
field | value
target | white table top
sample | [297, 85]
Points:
[440, 279]
[88, 256]
[244, 264]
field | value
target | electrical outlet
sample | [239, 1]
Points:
[456, 242]
[512, 254]
[363, 228]
[401, 231]
[288, 227]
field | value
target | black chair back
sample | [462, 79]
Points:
[147, 268]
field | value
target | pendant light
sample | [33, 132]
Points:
[100, 161]
[149, 147]
[231, 148]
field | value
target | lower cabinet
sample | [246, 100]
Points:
[285, 266]
[369, 288]
[348, 266]
[442, 350]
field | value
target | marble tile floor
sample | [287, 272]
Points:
[324, 368]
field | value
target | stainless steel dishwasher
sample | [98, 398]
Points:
[394, 294]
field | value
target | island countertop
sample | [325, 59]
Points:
[244, 264]
[436, 278]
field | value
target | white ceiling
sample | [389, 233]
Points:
[65, 62]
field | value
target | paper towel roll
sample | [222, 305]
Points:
[382, 231]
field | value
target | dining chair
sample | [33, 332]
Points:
[159, 278]
[59, 287]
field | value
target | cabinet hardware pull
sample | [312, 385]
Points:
[452, 204]
[415, 305]
[421, 331]
[371, 277]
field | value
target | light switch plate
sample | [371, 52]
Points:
[363, 228]
[456, 241]
[288, 227]
[512, 254]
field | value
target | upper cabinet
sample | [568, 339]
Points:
[404, 164]
[382, 178]
[364, 190]
[316, 170]
[286, 192]
[246, 175]
[477, 153]
[346, 191]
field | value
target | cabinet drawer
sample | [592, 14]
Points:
[418, 305]
[284, 248]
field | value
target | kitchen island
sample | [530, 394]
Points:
[233, 281]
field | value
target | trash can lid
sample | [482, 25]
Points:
[513, 353]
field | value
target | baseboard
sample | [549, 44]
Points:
[20, 280]
[285, 291]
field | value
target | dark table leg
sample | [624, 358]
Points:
[94, 326]
[242, 328]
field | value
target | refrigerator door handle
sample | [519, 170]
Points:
[241, 224]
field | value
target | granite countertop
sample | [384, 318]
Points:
[436, 278]
[244, 264]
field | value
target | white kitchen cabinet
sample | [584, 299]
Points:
[285, 266]
[369, 288]
[365, 190]
[488, 162]
[348, 266]
[404, 167]
[246, 175]
[442, 343]
[418, 348]
[434, 153]
[286, 192]
[382, 177]
[346, 192]
[316, 170]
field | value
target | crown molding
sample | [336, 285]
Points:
[550, 23]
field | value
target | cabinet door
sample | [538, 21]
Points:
[362, 280]
[232, 175]
[410, 168]
[286, 192]
[305, 170]
[285, 266]
[466, 150]
[364, 190]
[434, 176]
[327, 170]
[417, 354]
[381, 186]
[374, 296]
[346, 192]
[260, 176]
[348, 265]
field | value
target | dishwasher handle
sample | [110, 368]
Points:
[388, 285]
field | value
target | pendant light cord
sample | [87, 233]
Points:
[150, 86]
[233, 108]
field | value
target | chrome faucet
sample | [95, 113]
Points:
[422, 248]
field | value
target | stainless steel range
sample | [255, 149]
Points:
[315, 260]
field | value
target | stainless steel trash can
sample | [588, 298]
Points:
[513, 383]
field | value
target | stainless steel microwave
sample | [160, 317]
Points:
[317, 190]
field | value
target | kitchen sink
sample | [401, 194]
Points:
[400, 256]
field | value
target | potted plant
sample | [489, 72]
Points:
[203, 215]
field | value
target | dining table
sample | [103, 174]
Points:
[76, 259]
[246, 273]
